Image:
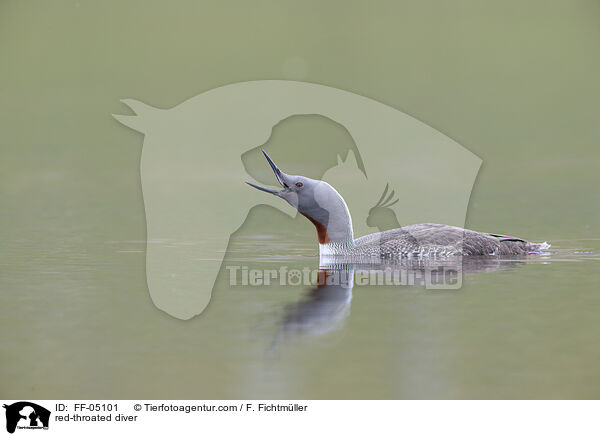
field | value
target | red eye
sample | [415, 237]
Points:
[298, 185]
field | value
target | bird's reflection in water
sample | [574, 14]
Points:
[325, 306]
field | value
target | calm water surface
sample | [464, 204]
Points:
[83, 326]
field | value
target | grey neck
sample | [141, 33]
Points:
[338, 222]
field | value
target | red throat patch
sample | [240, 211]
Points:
[321, 230]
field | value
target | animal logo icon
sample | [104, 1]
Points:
[193, 181]
[382, 215]
[26, 415]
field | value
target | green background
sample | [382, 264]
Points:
[514, 82]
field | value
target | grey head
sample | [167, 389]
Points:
[316, 200]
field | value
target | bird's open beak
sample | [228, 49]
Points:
[280, 178]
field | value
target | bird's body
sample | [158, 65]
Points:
[424, 240]
[326, 209]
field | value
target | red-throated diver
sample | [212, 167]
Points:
[326, 209]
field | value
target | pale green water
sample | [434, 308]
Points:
[79, 323]
[516, 84]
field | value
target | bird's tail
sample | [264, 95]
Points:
[535, 247]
